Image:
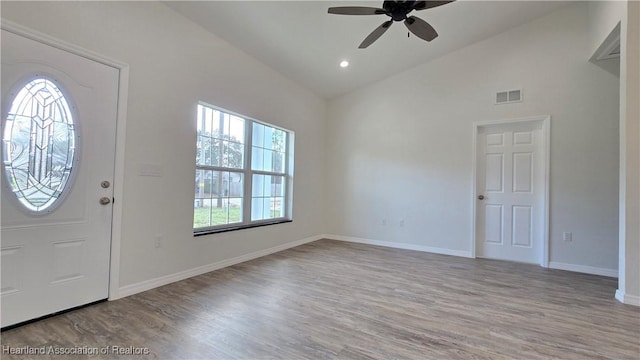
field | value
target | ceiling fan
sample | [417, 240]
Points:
[397, 11]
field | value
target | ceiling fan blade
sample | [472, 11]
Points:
[375, 34]
[355, 10]
[421, 28]
[421, 5]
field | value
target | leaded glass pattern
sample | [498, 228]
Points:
[39, 144]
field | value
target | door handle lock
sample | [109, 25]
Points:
[105, 200]
[480, 197]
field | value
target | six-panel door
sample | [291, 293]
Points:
[509, 223]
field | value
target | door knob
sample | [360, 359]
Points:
[480, 197]
[105, 200]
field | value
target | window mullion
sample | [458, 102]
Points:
[263, 172]
[285, 206]
[248, 177]
[288, 169]
[219, 168]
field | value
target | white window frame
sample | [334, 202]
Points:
[287, 205]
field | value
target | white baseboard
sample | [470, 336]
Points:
[396, 245]
[627, 299]
[168, 279]
[584, 269]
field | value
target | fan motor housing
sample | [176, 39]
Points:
[399, 11]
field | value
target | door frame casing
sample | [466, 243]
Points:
[121, 121]
[545, 121]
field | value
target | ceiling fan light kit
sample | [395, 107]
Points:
[397, 11]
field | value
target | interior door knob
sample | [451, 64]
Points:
[480, 197]
[105, 200]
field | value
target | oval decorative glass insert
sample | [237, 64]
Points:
[39, 143]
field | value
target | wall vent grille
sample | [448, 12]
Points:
[506, 97]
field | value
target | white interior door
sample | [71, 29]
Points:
[58, 125]
[510, 190]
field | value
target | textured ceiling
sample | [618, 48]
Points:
[300, 40]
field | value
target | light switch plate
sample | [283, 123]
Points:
[147, 169]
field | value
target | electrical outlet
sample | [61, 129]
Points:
[401, 222]
[567, 236]
[384, 222]
[157, 242]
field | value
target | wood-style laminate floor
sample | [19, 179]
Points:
[335, 300]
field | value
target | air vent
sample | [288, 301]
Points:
[506, 97]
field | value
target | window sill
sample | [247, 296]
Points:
[239, 227]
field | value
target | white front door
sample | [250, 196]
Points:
[58, 127]
[510, 191]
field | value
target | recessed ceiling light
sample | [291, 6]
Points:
[344, 63]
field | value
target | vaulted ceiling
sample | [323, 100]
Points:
[302, 41]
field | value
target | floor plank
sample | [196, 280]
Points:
[336, 300]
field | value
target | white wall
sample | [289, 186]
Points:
[633, 113]
[174, 63]
[603, 17]
[629, 256]
[401, 148]
[604, 27]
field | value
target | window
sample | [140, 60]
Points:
[243, 172]
[39, 142]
